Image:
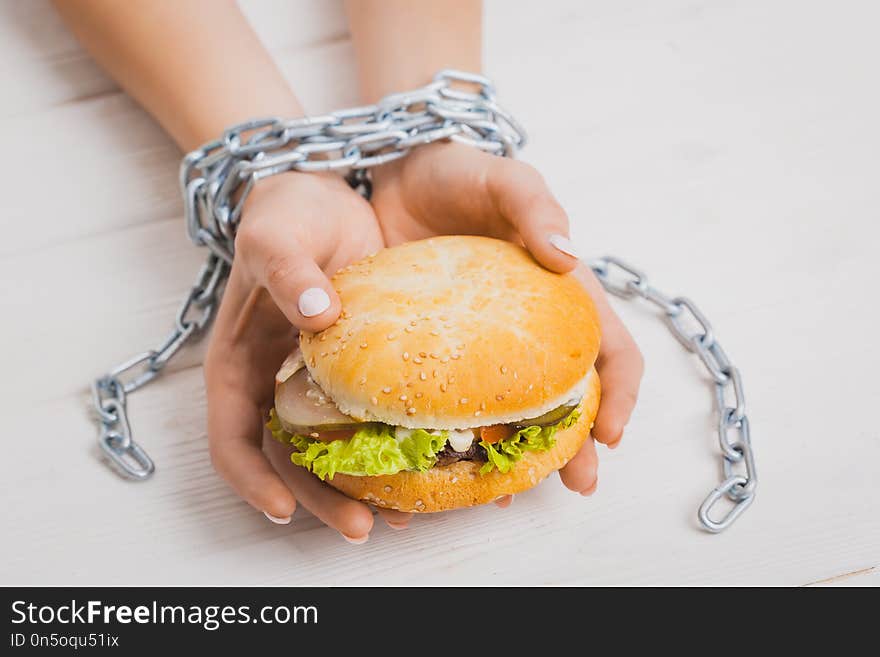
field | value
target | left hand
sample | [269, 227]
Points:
[454, 189]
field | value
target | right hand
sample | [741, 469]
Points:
[296, 229]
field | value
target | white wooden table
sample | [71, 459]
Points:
[730, 149]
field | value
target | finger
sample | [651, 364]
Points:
[234, 433]
[395, 519]
[297, 284]
[504, 501]
[349, 517]
[521, 196]
[580, 474]
[620, 366]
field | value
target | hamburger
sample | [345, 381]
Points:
[459, 371]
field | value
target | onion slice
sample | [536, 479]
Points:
[304, 408]
[291, 365]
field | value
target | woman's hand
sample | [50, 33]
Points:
[449, 188]
[296, 229]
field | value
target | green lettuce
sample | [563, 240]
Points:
[372, 450]
[504, 454]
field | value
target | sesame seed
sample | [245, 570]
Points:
[374, 400]
[442, 387]
[419, 395]
[386, 389]
[499, 397]
[405, 355]
[515, 375]
[408, 329]
[451, 379]
[503, 370]
[531, 385]
[455, 356]
[445, 359]
[463, 400]
[390, 336]
[363, 345]
[335, 350]
[478, 413]
[417, 360]
[410, 410]
[453, 480]
[323, 354]
[433, 355]
[482, 406]
[434, 332]
[387, 489]
[434, 374]
[313, 361]
[402, 398]
[314, 434]
[422, 376]
[363, 380]
[323, 337]
[423, 354]
[409, 384]
[413, 323]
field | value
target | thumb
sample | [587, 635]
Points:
[523, 199]
[298, 286]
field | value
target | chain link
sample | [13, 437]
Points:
[216, 178]
[691, 328]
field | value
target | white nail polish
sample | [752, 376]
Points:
[313, 302]
[562, 243]
[356, 541]
[277, 520]
[397, 525]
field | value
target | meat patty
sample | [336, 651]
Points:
[473, 453]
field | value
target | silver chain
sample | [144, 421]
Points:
[734, 439]
[216, 179]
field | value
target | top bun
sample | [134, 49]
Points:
[451, 333]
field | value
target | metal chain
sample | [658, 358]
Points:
[216, 178]
[691, 328]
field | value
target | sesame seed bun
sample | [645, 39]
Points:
[453, 333]
[460, 484]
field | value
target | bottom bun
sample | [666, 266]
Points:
[460, 484]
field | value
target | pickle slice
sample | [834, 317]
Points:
[555, 416]
[304, 408]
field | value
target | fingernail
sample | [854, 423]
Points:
[313, 302]
[503, 501]
[397, 525]
[592, 489]
[277, 520]
[356, 541]
[562, 243]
